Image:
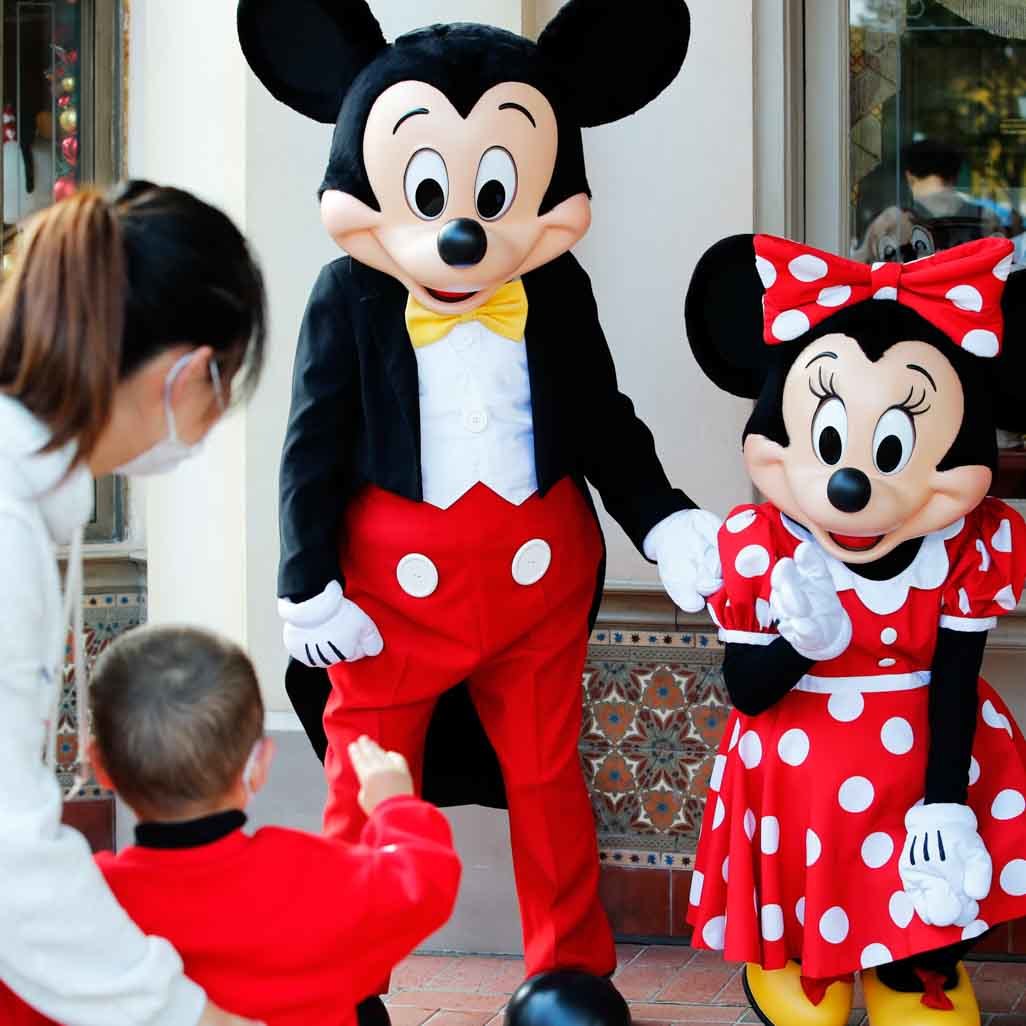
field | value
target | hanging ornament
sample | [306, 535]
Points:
[10, 129]
[64, 187]
[64, 101]
[69, 120]
[70, 149]
[44, 124]
[68, 83]
[71, 57]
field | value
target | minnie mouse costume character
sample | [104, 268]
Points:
[866, 811]
[453, 392]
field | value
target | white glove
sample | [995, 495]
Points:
[685, 547]
[804, 603]
[328, 629]
[945, 867]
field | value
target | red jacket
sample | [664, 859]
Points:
[285, 927]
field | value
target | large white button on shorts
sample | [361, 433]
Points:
[532, 562]
[417, 575]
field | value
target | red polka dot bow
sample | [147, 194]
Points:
[957, 290]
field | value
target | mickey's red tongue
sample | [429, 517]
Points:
[854, 542]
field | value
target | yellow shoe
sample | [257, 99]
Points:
[888, 1007]
[778, 998]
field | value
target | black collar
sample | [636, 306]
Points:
[192, 833]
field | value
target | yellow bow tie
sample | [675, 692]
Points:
[505, 314]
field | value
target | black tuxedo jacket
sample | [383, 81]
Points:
[355, 420]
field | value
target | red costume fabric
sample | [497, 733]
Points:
[284, 927]
[804, 825]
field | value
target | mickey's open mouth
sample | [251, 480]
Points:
[855, 543]
[449, 297]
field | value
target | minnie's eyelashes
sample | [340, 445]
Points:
[826, 389]
[914, 409]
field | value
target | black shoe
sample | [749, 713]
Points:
[372, 1012]
[565, 998]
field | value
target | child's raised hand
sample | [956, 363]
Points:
[382, 774]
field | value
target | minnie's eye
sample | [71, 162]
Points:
[830, 431]
[894, 441]
[427, 184]
[496, 183]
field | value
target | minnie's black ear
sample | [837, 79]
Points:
[307, 52]
[723, 314]
[1009, 369]
[615, 56]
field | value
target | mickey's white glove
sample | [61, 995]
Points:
[328, 629]
[685, 547]
[945, 867]
[804, 603]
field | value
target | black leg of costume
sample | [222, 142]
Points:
[901, 975]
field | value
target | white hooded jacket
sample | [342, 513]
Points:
[66, 946]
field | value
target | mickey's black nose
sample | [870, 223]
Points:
[849, 490]
[462, 243]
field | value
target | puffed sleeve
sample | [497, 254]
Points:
[988, 570]
[748, 551]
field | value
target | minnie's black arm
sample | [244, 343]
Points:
[952, 716]
[759, 676]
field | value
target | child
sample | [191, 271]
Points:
[286, 927]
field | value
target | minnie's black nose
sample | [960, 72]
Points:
[849, 490]
[462, 243]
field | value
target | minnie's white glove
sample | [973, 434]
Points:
[328, 629]
[945, 867]
[685, 547]
[804, 603]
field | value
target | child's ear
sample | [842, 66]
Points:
[616, 56]
[308, 52]
[1008, 377]
[261, 767]
[99, 770]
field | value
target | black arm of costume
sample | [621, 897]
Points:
[759, 676]
[954, 687]
[318, 442]
[617, 448]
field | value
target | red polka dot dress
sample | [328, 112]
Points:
[804, 823]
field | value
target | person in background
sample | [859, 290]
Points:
[124, 327]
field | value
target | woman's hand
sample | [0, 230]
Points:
[213, 1016]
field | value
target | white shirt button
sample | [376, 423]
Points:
[417, 575]
[532, 561]
[475, 420]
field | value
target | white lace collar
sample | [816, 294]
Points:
[927, 572]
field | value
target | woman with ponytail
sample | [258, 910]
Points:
[125, 327]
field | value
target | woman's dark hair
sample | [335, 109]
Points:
[104, 283]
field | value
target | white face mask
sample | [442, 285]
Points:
[169, 452]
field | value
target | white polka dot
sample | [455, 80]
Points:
[1002, 540]
[856, 794]
[750, 824]
[808, 267]
[1008, 805]
[1004, 268]
[790, 325]
[1005, 598]
[975, 929]
[887, 292]
[793, 747]
[965, 297]
[772, 917]
[769, 835]
[734, 736]
[886, 664]
[741, 521]
[697, 885]
[897, 736]
[714, 933]
[799, 911]
[974, 771]
[985, 559]
[877, 264]
[750, 749]
[874, 955]
[767, 272]
[964, 605]
[981, 342]
[877, 850]
[833, 925]
[1013, 878]
[719, 813]
[888, 635]
[725, 870]
[813, 847]
[846, 706]
[716, 777]
[752, 561]
[763, 613]
[995, 719]
[901, 909]
[834, 295]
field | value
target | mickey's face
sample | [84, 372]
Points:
[459, 197]
[865, 439]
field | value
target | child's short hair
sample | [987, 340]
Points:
[175, 714]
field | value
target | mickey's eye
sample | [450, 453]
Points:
[427, 184]
[830, 431]
[894, 441]
[922, 242]
[496, 183]
[888, 249]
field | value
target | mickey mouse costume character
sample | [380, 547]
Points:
[866, 810]
[453, 392]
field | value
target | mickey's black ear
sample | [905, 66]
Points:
[723, 314]
[307, 52]
[615, 56]
[1009, 369]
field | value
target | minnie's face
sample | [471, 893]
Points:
[459, 197]
[865, 439]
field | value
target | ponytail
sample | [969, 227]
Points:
[62, 311]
